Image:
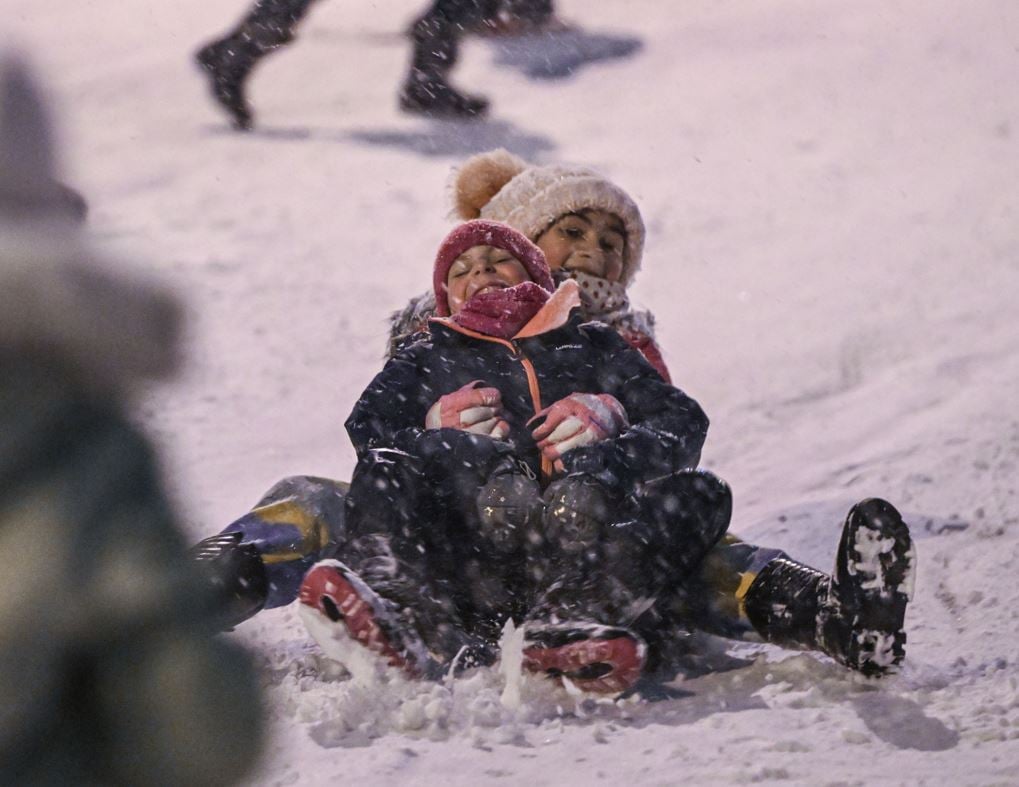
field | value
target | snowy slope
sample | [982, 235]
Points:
[831, 191]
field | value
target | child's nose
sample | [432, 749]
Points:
[589, 255]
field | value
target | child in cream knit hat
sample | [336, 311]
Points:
[589, 229]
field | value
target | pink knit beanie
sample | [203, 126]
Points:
[482, 232]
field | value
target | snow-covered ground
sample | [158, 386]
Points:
[832, 197]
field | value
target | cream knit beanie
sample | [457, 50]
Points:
[502, 187]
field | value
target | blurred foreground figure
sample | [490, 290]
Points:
[436, 36]
[108, 670]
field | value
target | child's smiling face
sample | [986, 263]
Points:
[481, 269]
[591, 240]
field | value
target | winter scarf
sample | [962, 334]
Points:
[502, 313]
[601, 298]
[498, 313]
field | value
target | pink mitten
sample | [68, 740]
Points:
[471, 409]
[577, 420]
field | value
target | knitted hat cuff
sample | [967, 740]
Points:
[533, 201]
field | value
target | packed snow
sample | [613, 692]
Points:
[832, 196]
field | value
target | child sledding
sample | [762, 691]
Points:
[515, 462]
[446, 516]
[521, 463]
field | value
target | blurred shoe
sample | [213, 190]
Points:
[438, 99]
[227, 65]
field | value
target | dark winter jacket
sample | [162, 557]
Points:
[667, 427]
[636, 326]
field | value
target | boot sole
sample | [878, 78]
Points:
[349, 621]
[594, 658]
[875, 577]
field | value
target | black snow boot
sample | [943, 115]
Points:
[235, 576]
[431, 95]
[228, 64]
[856, 615]
[229, 61]
[426, 90]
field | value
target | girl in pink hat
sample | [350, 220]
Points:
[518, 463]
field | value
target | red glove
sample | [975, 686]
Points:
[578, 420]
[471, 409]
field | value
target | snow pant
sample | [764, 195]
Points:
[302, 519]
[414, 536]
[625, 569]
[271, 23]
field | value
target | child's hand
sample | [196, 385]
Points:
[578, 420]
[471, 409]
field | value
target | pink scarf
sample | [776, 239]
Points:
[502, 313]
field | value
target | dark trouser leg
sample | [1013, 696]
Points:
[269, 25]
[413, 582]
[436, 43]
[533, 12]
[416, 537]
[487, 504]
[396, 546]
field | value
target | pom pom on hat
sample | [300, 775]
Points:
[486, 233]
[502, 187]
[480, 178]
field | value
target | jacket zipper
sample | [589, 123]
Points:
[535, 391]
[532, 383]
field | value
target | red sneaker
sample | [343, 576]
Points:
[595, 658]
